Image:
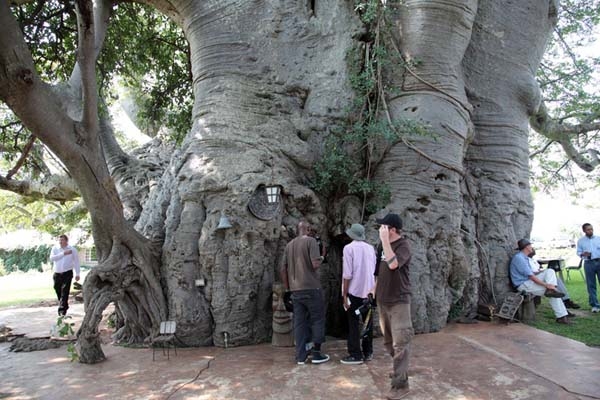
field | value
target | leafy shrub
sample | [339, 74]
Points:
[25, 260]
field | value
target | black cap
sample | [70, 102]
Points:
[392, 220]
[522, 243]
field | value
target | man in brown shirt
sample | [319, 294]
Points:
[299, 274]
[393, 299]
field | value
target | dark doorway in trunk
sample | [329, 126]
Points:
[331, 280]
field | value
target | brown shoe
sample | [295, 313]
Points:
[554, 293]
[397, 393]
[564, 320]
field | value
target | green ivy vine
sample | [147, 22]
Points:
[349, 155]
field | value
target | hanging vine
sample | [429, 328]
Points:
[351, 154]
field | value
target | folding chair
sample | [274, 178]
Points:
[165, 338]
[579, 267]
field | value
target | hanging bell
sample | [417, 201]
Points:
[224, 222]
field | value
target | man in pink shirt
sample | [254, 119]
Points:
[358, 283]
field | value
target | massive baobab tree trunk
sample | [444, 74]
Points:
[271, 82]
[507, 45]
[465, 195]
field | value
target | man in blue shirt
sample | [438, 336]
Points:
[588, 248]
[544, 283]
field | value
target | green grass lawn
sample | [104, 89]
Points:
[27, 288]
[586, 325]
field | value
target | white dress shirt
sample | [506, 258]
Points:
[64, 262]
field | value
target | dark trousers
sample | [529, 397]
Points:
[62, 287]
[309, 320]
[355, 329]
[592, 272]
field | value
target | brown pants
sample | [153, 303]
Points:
[396, 326]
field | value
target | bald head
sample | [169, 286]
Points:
[303, 228]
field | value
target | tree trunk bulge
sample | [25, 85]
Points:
[270, 81]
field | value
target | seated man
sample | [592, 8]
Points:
[543, 283]
[560, 285]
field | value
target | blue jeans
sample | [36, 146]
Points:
[592, 272]
[309, 320]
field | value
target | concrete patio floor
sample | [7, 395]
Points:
[462, 362]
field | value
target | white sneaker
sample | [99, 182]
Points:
[595, 309]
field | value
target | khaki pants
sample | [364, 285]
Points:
[396, 325]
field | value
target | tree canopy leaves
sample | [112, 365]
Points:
[144, 52]
[568, 78]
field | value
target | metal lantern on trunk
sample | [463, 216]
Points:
[273, 194]
[266, 202]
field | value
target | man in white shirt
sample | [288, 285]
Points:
[65, 260]
[560, 285]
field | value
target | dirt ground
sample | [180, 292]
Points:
[462, 362]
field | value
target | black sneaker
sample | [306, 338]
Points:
[350, 360]
[319, 358]
[368, 357]
[302, 362]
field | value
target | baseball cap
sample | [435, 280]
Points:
[392, 220]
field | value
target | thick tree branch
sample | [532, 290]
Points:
[86, 59]
[102, 13]
[32, 101]
[563, 133]
[59, 189]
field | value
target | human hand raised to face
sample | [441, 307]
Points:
[384, 233]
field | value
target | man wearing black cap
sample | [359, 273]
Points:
[393, 299]
[544, 283]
